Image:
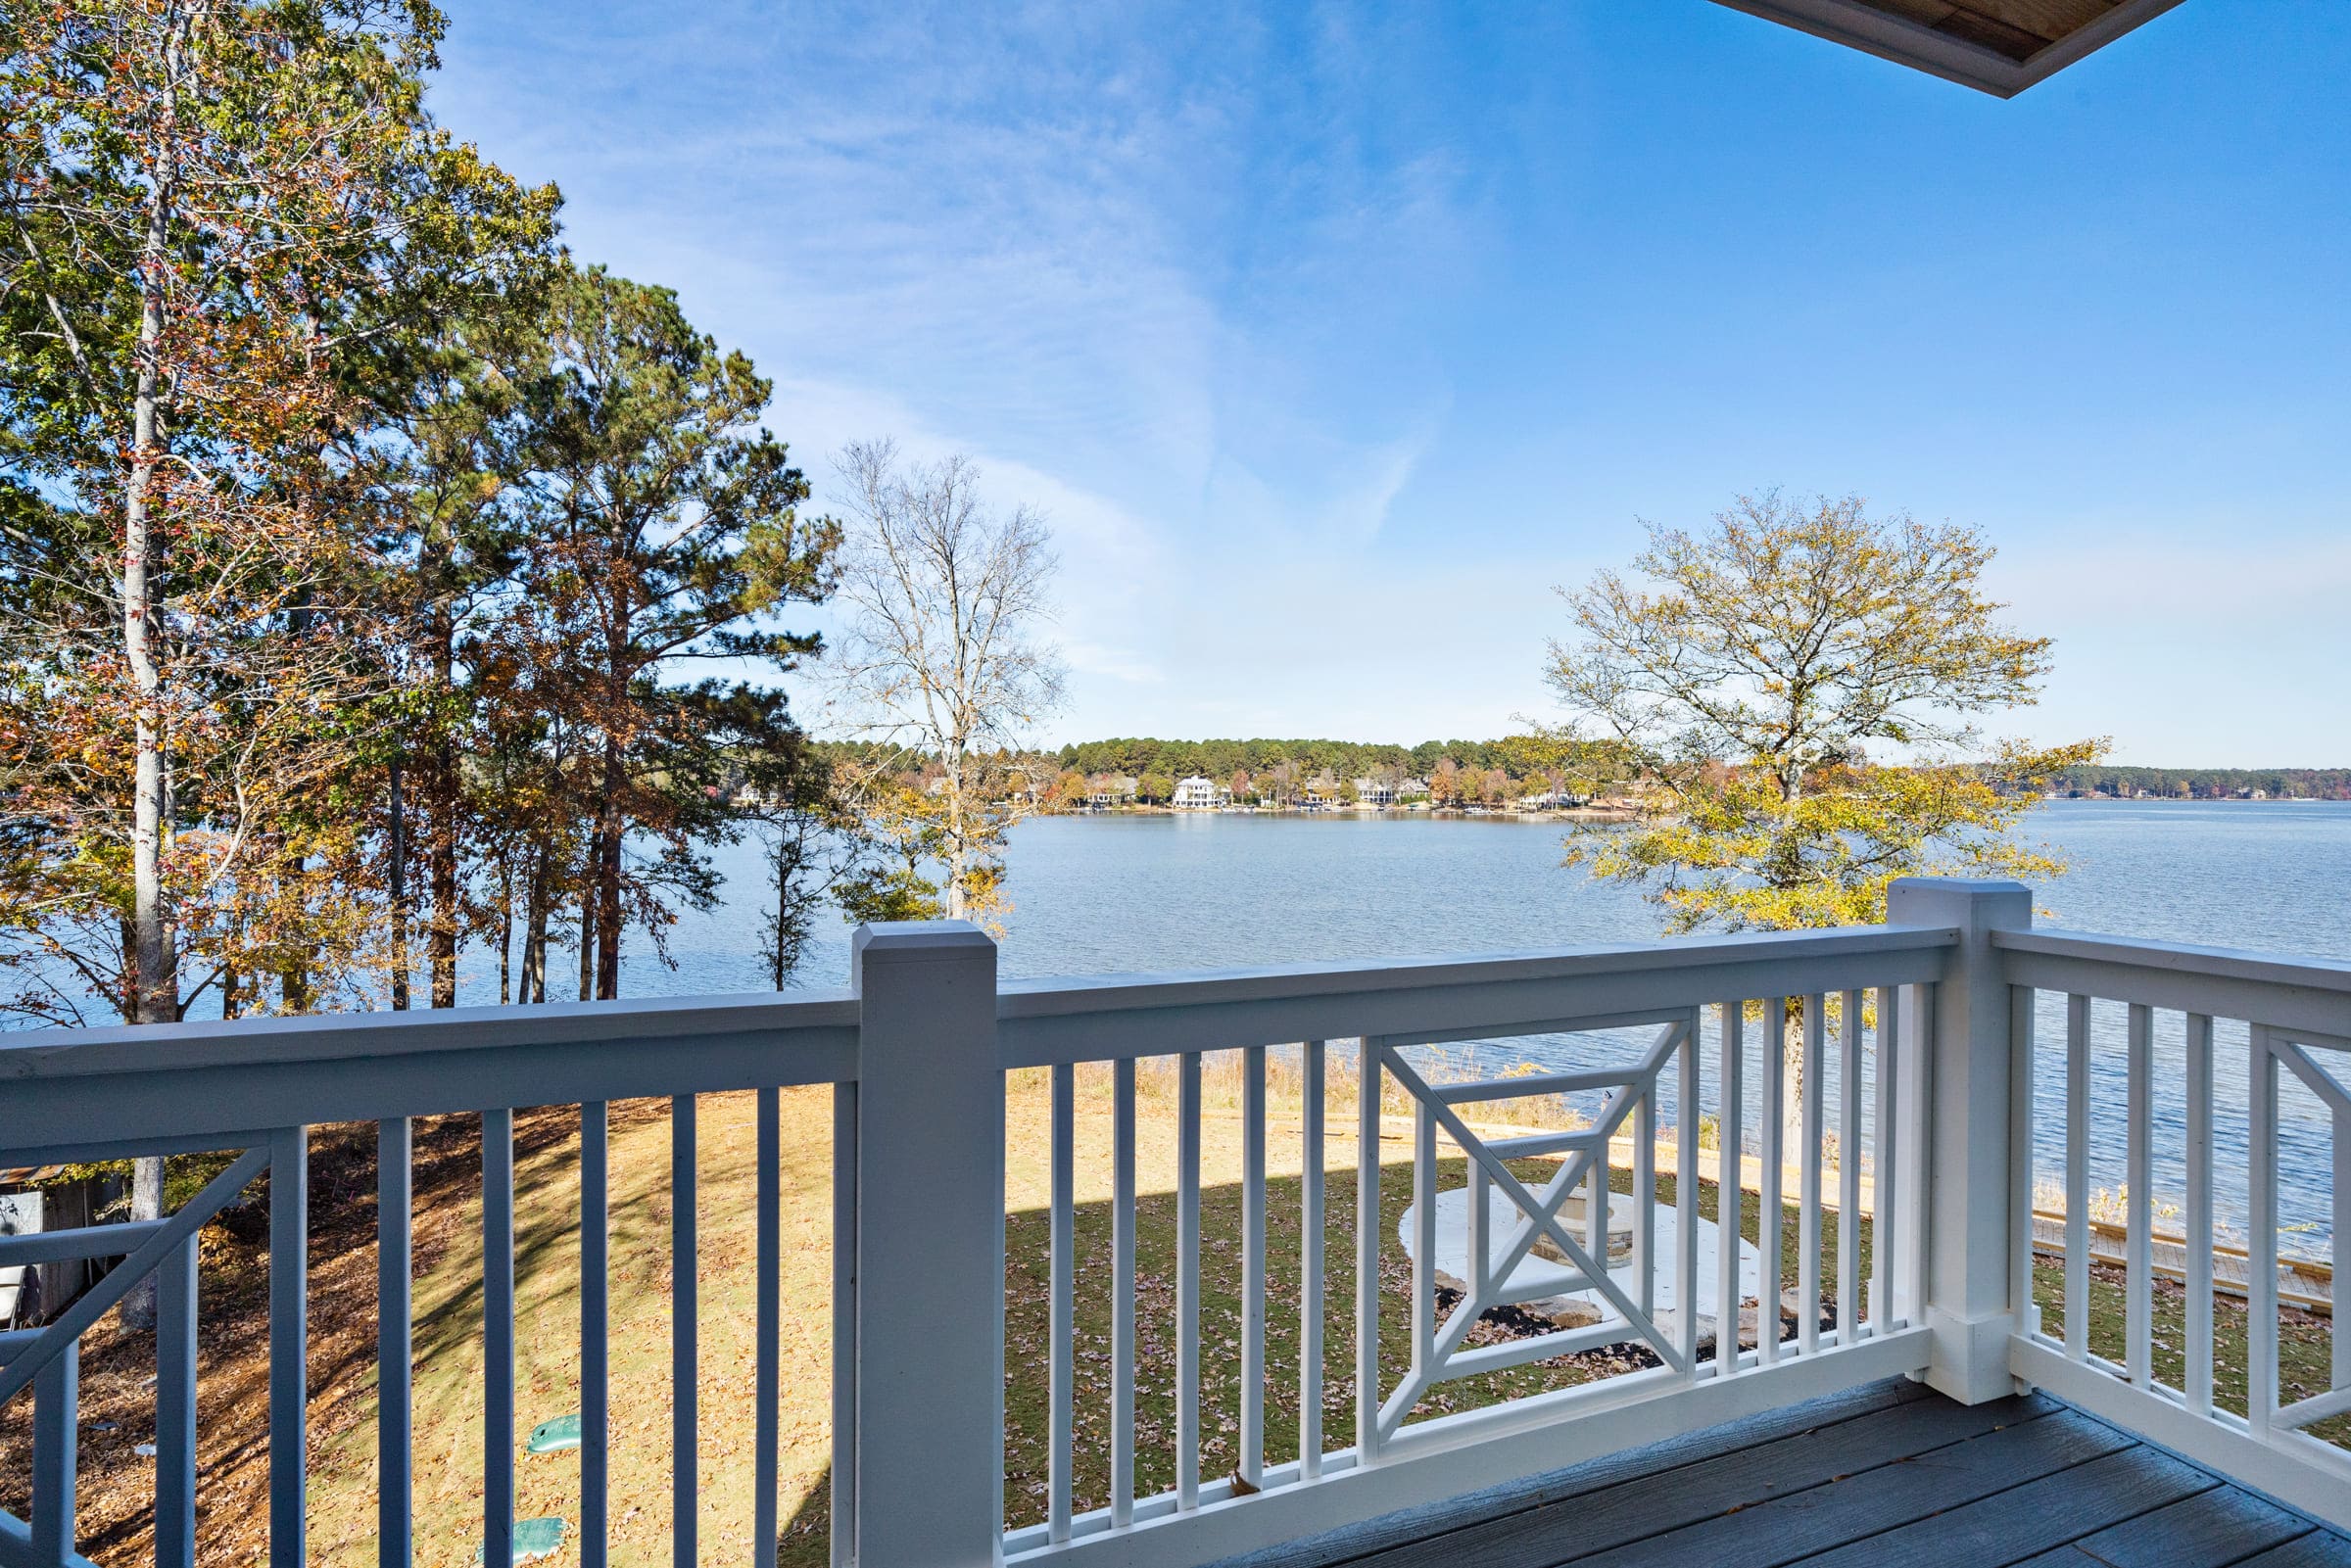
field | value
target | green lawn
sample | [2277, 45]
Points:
[2304, 1339]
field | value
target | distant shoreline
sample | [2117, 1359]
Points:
[1619, 814]
[2191, 800]
[1573, 814]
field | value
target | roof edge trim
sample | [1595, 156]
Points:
[1861, 27]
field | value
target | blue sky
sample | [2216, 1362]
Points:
[1331, 338]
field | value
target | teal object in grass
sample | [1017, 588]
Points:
[554, 1436]
[532, 1539]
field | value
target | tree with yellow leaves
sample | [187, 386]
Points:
[1795, 692]
[1746, 686]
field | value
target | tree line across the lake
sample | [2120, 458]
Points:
[2208, 784]
[1538, 761]
[1147, 772]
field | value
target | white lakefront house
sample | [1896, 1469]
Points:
[1200, 794]
[1901, 1364]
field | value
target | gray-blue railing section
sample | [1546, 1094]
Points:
[1932, 1100]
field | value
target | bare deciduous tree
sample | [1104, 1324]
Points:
[942, 655]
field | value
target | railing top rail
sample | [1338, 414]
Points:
[68, 1053]
[2309, 993]
[1067, 1018]
[2181, 958]
[1108, 993]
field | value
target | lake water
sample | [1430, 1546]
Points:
[1099, 894]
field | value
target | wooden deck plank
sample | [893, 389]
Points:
[2020, 1521]
[1650, 1504]
[1364, 1543]
[2209, 1530]
[1793, 1528]
[1886, 1473]
[2320, 1548]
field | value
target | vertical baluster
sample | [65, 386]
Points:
[2138, 1252]
[1887, 1223]
[2077, 1177]
[175, 1415]
[2199, 1213]
[395, 1538]
[1596, 1207]
[1479, 1215]
[2025, 1314]
[1366, 1252]
[1253, 1265]
[1187, 1285]
[767, 1354]
[1685, 1193]
[596, 1383]
[1914, 1040]
[289, 1344]
[844, 1325]
[1122, 1293]
[1424, 1239]
[56, 1439]
[498, 1336]
[2261, 1247]
[2339, 1340]
[1812, 1091]
[1771, 1205]
[1849, 1174]
[1645, 1200]
[1729, 1179]
[1060, 1355]
[685, 1323]
[1310, 1267]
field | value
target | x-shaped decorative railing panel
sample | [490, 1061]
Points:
[1438, 1354]
[47, 1359]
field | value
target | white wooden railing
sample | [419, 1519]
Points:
[1692, 1001]
[1914, 1044]
[2073, 996]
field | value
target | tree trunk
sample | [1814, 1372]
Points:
[534, 941]
[154, 989]
[506, 931]
[446, 810]
[606, 891]
[443, 942]
[959, 855]
[396, 877]
[783, 873]
[293, 975]
[791, 849]
[588, 942]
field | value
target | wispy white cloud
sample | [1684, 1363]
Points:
[1329, 336]
[1029, 227]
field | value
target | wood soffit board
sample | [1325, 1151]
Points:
[1998, 46]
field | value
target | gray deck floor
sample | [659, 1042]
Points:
[1888, 1474]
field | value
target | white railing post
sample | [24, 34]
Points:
[1966, 1060]
[929, 1255]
